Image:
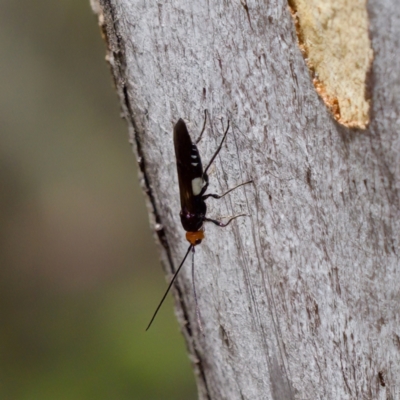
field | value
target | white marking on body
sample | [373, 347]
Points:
[197, 185]
[195, 164]
[195, 156]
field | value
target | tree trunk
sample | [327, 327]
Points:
[300, 300]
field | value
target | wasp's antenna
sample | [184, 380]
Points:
[195, 294]
[169, 287]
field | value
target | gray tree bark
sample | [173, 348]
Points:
[300, 300]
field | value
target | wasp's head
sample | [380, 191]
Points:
[195, 238]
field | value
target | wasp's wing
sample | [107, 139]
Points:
[190, 169]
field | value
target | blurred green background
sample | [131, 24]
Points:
[79, 272]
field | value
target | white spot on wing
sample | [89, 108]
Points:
[197, 185]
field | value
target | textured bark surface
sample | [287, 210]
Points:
[301, 299]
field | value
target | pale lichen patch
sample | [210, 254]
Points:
[333, 36]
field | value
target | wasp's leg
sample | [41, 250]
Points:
[204, 127]
[204, 188]
[218, 149]
[222, 225]
[219, 196]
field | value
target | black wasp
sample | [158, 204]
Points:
[193, 183]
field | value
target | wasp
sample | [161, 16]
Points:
[193, 184]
